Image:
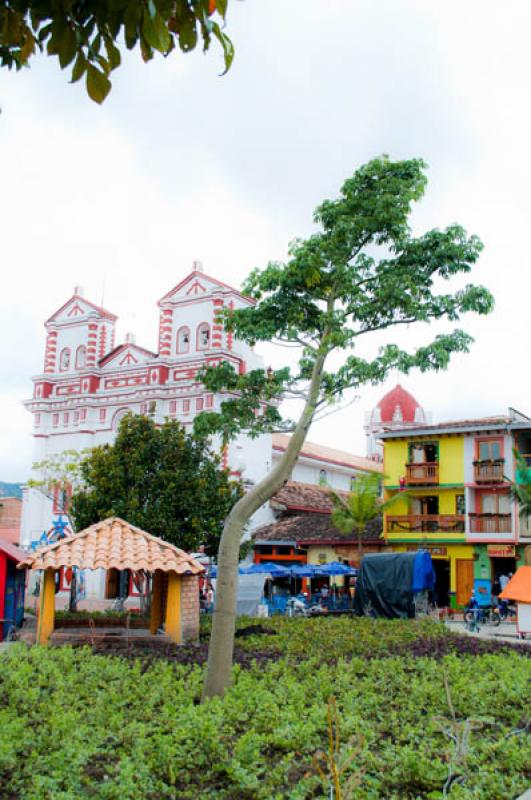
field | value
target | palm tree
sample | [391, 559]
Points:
[362, 505]
[521, 486]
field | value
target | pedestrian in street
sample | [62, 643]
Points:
[504, 580]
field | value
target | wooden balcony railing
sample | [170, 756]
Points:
[490, 523]
[426, 523]
[488, 471]
[425, 474]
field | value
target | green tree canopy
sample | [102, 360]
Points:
[362, 504]
[89, 34]
[362, 272]
[161, 479]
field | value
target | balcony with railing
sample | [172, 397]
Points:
[423, 474]
[490, 523]
[489, 471]
[425, 523]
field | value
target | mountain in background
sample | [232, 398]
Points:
[10, 489]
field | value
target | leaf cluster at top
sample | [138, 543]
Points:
[88, 34]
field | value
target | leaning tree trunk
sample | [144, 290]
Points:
[220, 651]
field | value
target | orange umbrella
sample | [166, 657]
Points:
[519, 587]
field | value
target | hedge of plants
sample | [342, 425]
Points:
[78, 725]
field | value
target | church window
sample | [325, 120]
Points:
[173, 406]
[186, 406]
[199, 404]
[82, 415]
[203, 336]
[55, 420]
[352, 482]
[64, 359]
[118, 417]
[66, 418]
[323, 477]
[183, 340]
[209, 401]
[103, 414]
[81, 357]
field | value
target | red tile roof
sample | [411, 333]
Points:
[298, 496]
[328, 454]
[480, 422]
[113, 543]
[308, 529]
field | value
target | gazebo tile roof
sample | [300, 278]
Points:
[113, 543]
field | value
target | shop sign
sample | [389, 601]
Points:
[434, 549]
[501, 551]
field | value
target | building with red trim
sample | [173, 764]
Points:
[89, 381]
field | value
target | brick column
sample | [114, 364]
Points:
[103, 341]
[190, 608]
[165, 330]
[50, 351]
[92, 343]
[217, 327]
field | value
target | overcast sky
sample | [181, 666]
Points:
[181, 164]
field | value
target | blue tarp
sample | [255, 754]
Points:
[423, 573]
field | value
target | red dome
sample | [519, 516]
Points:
[399, 406]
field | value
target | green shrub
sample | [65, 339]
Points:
[76, 725]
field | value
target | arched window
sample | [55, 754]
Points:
[203, 336]
[64, 359]
[119, 416]
[81, 356]
[183, 340]
[323, 477]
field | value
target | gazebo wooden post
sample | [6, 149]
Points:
[46, 607]
[173, 608]
[156, 602]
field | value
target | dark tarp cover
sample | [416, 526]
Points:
[385, 584]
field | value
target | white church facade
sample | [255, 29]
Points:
[89, 382]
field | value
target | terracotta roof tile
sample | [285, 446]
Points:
[299, 496]
[314, 528]
[113, 543]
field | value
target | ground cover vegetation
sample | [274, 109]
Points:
[361, 273]
[79, 725]
[89, 35]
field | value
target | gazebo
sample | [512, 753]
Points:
[114, 543]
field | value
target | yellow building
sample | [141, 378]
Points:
[425, 472]
[452, 488]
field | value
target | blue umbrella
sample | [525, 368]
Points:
[336, 568]
[267, 568]
[304, 571]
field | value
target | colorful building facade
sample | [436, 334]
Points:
[452, 488]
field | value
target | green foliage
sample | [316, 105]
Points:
[60, 471]
[161, 479]
[362, 272]
[521, 486]
[361, 505]
[88, 35]
[75, 725]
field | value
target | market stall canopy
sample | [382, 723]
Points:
[335, 568]
[269, 568]
[113, 543]
[519, 587]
